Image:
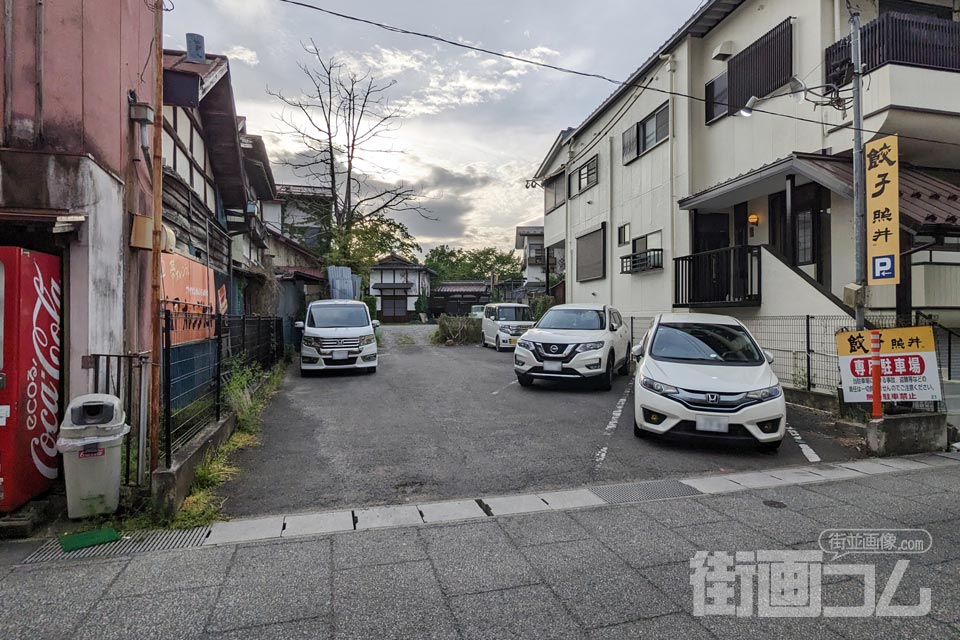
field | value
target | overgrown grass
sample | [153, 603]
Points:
[203, 504]
[405, 340]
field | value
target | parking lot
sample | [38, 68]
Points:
[447, 422]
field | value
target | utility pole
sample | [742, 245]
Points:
[156, 270]
[859, 177]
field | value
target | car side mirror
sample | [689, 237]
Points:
[298, 325]
[376, 324]
[768, 356]
[637, 352]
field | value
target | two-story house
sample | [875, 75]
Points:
[720, 175]
[397, 284]
[75, 150]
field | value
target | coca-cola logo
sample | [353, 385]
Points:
[43, 376]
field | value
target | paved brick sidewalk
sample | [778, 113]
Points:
[604, 572]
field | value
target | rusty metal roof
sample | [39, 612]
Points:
[926, 201]
[928, 204]
[462, 287]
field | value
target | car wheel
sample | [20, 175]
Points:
[496, 344]
[769, 447]
[638, 432]
[525, 380]
[624, 369]
[304, 373]
[372, 370]
[483, 340]
[605, 382]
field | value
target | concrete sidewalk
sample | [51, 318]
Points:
[607, 571]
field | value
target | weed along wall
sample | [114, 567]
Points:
[185, 493]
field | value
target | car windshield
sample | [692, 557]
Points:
[328, 316]
[513, 314]
[576, 319]
[705, 343]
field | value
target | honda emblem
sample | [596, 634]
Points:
[713, 398]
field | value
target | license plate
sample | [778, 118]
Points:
[339, 355]
[714, 424]
[513, 341]
[553, 366]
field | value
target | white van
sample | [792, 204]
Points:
[338, 334]
[503, 324]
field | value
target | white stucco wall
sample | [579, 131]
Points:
[420, 280]
[95, 269]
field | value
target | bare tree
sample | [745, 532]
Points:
[338, 120]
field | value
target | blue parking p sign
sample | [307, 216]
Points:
[883, 267]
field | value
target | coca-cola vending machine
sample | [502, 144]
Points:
[29, 373]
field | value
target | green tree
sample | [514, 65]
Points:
[472, 264]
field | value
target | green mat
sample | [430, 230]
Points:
[75, 541]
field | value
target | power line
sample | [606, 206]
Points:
[586, 74]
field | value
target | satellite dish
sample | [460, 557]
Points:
[798, 89]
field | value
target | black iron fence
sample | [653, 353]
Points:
[918, 41]
[728, 277]
[642, 261]
[200, 352]
[127, 377]
[804, 348]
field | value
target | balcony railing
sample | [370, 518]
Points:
[727, 277]
[538, 257]
[901, 39]
[642, 261]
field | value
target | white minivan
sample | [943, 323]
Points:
[503, 324]
[338, 334]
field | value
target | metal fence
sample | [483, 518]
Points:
[804, 348]
[127, 377]
[200, 352]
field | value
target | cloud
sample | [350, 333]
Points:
[436, 84]
[242, 54]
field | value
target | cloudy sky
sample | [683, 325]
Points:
[475, 127]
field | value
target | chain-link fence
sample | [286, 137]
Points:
[804, 348]
[200, 351]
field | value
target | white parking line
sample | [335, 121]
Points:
[601, 454]
[805, 449]
[503, 388]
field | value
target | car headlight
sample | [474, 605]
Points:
[766, 394]
[309, 341]
[367, 339]
[525, 344]
[657, 387]
[590, 346]
[506, 328]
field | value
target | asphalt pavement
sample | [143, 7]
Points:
[441, 422]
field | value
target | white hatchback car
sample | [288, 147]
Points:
[704, 376]
[503, 324]
[575, 342]
[338, 334]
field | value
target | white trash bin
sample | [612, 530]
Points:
[90, 441]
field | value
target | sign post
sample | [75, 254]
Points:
[889, 365]
[883, 211]
[876, 374]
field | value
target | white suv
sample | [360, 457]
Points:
[338, 334]
[503, 324]
[704, 376]
[575, 342]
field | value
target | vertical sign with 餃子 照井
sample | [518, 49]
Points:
[883, 210]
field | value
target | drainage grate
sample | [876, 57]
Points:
[643, 491]
[134, 542]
